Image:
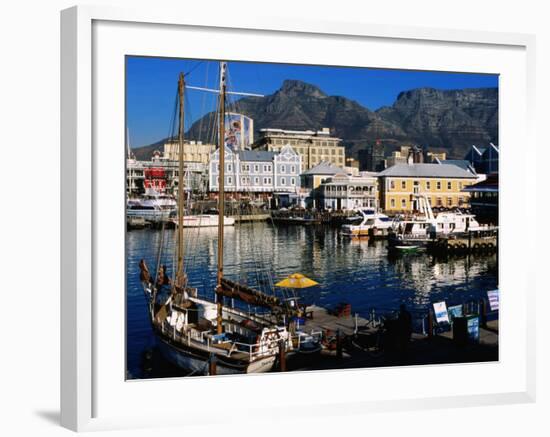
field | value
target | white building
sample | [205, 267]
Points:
[163, 173]
[260, 172]
[345, 192]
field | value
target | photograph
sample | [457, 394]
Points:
[352, 220]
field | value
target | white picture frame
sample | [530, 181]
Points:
[88, 395]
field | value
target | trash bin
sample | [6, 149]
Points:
[466, 329]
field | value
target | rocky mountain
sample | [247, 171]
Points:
[449, 120]
[443, 120]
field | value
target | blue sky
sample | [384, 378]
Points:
[151, 85]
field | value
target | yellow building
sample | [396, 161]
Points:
[442, 184]
[313, 146]
[193, 151]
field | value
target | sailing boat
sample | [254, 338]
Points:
[193, 332]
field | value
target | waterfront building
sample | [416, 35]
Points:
[484, 199]
[442, 184]
[257, 173]
[161, 174]
[345, 192]
[193, 151]
[310, 181]
[313, 146]
[484, 159]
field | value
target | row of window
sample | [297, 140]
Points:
[199, 157]
[316, 161]
[298, 142]
[428, 185]
[352, 188]
[246, 180]
[438, 202]
[267, 168]
[314, 151]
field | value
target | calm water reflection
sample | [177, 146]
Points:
[260, 254]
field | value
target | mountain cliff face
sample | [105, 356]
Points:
[449, 121]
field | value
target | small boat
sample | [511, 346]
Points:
[371, 222]
[427, 227]
[163, 200]
[147, 210]
[203, 221]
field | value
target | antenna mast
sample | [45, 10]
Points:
[180, 275]
[221, 192]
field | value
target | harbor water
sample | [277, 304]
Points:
[354, 271]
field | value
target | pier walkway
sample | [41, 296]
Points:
[439, 348]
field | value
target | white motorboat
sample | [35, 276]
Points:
[146, 209]
[428, 226]
[162, 200]
[371, 221]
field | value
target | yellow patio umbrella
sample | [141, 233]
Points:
[296, 280]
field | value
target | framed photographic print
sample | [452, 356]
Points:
[357, 230]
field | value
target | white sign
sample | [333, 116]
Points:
[441, 314]
[492, 295]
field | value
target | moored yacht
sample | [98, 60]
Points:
[371, 221]
[162, 200]
[426, 227]
[147, 210]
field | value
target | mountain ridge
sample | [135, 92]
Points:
[442, 120]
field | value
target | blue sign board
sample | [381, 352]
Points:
[454, 311]
[473, 329]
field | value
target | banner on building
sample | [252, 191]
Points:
[441, 313]
[239, 129]
[492, 295]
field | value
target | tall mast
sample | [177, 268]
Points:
[221, 192]
[180, 275]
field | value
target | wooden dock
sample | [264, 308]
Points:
[320, 319]
[481, 241]
[439, 348]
